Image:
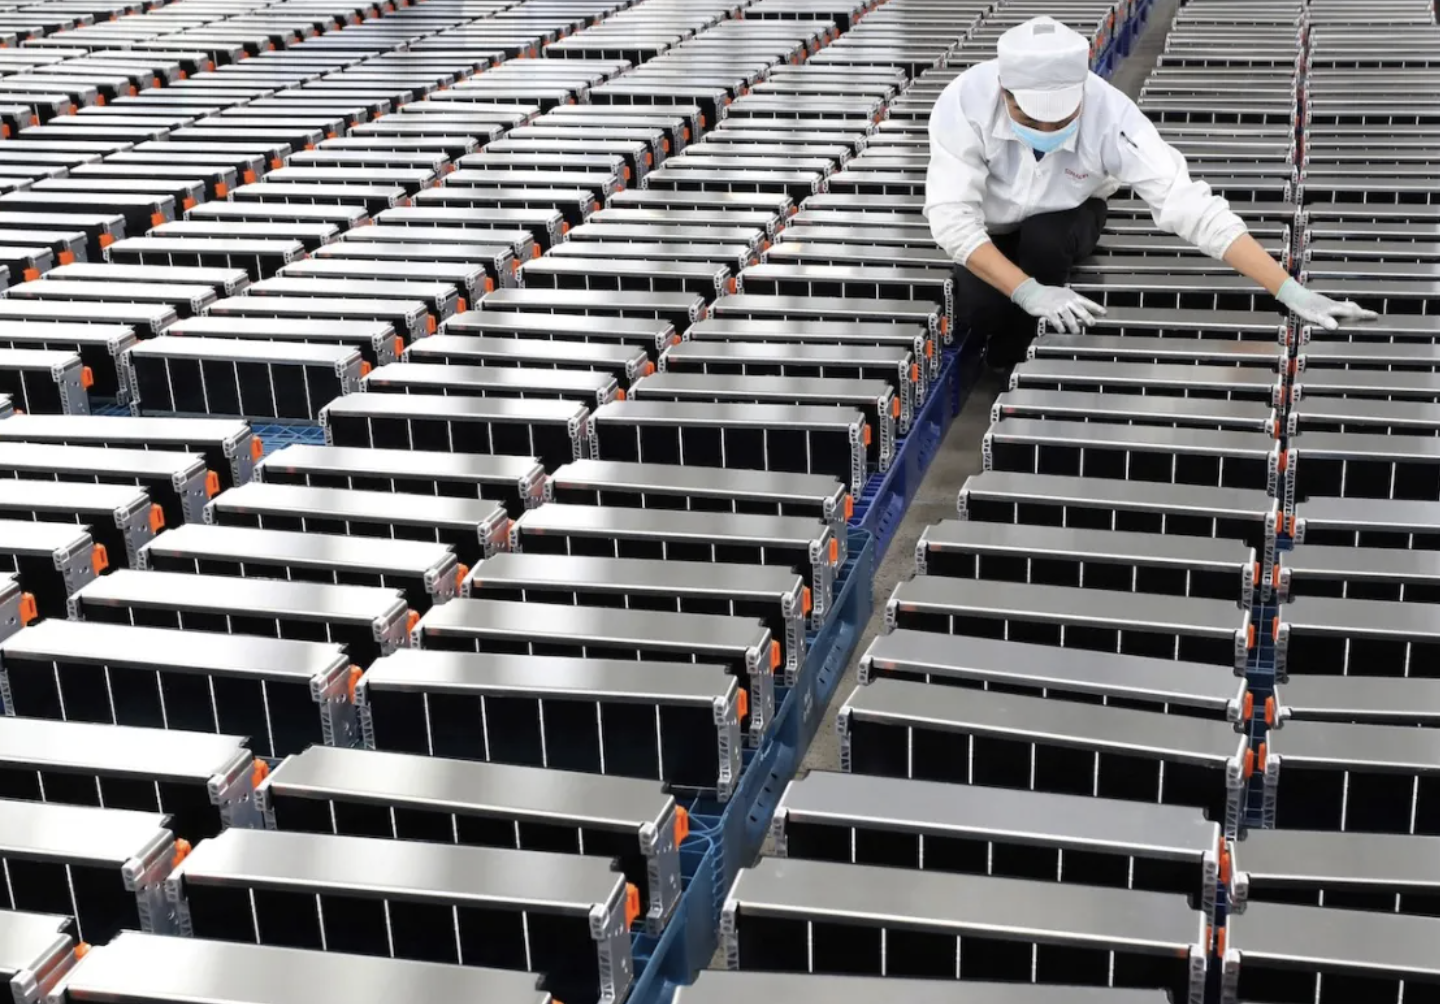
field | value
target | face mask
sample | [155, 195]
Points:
[1044, 142]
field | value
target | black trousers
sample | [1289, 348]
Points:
[1046, 247]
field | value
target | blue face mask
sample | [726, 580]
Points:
[1044, 142]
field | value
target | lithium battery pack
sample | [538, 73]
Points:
[228, 447]
[651, 335]
[717, 986]
[100, 347]
[120, 519]
[980, 830]
[619, 363]
[257, 258]
[826, 917]
[680, 310]
[743, 646]
[564, 915]
[101, 867]
[408, 797]
[284, 694]
[1169, 380]
[408, 318]
[861, 310]
[376, 340]
[458, 380]
[53, 560]
[368, 620]
[202, 782]
[1092, 559]
[896, 728]
[134, 966]
[1383, 872]
[36, 950]
[1253, 416]
[563, 713]
[45, 381]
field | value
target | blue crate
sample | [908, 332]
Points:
[885, 497]
[725, 837]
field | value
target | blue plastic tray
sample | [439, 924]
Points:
[725, 837]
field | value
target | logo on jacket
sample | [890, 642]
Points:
[1077, 175]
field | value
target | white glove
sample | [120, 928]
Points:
[1313, 308]
[1062, 308]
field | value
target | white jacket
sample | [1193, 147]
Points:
[984, 180]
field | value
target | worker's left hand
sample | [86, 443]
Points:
[1315, 308]
[1061, 307]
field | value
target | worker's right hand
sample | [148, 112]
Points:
[1060, 307]
[1316, 308]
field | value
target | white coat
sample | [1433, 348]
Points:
[983, 179]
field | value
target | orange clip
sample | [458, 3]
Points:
[68, 257]
[649, 158]
[1257, 573]
[929, 349]
[462, 571]
[1275, 627]
[620, 394]
[742, 704]
[682, 825]
[107, 239]
[564, 227]
[1224, 862]
[632, 903]
[914, 372]
[647, 369]
[364, 368]
[460, 305]
[182, 851]
[157, 219]
[28, 611]
[489, 285]
[212, 484]
[248, 178]
[1275, 576]
[866, 435]
[189, 203]
[834, 551]
[1270, 711]
[1290, 522]
[399, 346]
[99, 558]
[1249, 763]
[157, 519]
[535, 251]
[4, 130]
[625, 172]
[31, 274]
[411, 619]
[894, 407]
[1250, 636]
[257, 447]
[87, 377]
[733, 285]
[82, 949]
[276, 163]
[1260, 760]
[849, 506]
[1220, 941]
[1284, 460]
[100, 100]
[774, 655]
[1247, 708]
[430, 324]
[351, 679]
[259, 771]
[807, 602]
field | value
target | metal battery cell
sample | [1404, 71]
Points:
[976, 830]
[368, 620]
[799, 439]
[439, 298]
[120, 519]
[1138, 409]
[258, 258]
[680, 310]
[516, 482]
[924, 287]
[45, 381]
[148, 319]
[573, 205]
[221, 281]
[563, 713]
[228, 447]
[202, 782]
[427, 573]
[1182, 628]
[619, 363]
[185, 299]
[310, 235]
[897, 728]
[1370, 415]
[134, 967]
[409, 318]
[99, 346]
[652, 335]
[102, 867]
[1403, 574]
[52, 560]
[36, 950]
[284, 694]
[545, 225]
[1383, 872]
[717, 986]
[550, 431]
[377, 342]
[408, 797]
[1122, 681]
[917, 340]
[1246, 515]
[875, 399]
[1166, 380]
[344, 217]
[756, 307]
[622, 274]
[101, 229]
[1278, 952]
[519, 242]
[566, 916]
[475, 268]
[776, 597]
[1357, 637]
[1369, 466]
[232, 377]
[743, 646]
[826, 917]
[458, 380]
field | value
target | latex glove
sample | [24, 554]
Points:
[1313, 308]
[1062, 308]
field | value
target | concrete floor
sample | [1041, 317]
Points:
[959, 456]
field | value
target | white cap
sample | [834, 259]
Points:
[1044, 65]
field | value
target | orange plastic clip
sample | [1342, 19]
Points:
[411, 619]
[632, 903]
[1224, 862]
[929, 348]
[1284, 460]
[364, 368]
[157, 219]
[774, 655]
[565, 227]
[1275, 627]
[82, 949]
[1275, 576]
[807, 602]
[1270, 711]
[157, 518]
[351, 679]
[99, 558]
[1249, 763]
[620, 394]
[100, 100]
[834, 551]
[189, 203]
[257, 447]
[625, 172]
[866, 435]
[212, 484]
[733, 285]
[276, 163]
[28, 610]
[914, 372]
[31, 274]
[682, 825]
[182, 851]
[649, 158]
[107, 239]
[462, 572]
[87, 377]
[259, 771]
[489, 284]
[1250, 636]
[430, 324]
[66, 258]
[1220, 940]
[894, 407]
[4, 130]
[742, 704]
[647, 369]
[1256, 579]
[849, 506]
[1247, 708]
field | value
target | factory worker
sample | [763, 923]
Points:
[1024, 151]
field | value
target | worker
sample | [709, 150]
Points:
[1024, 151]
